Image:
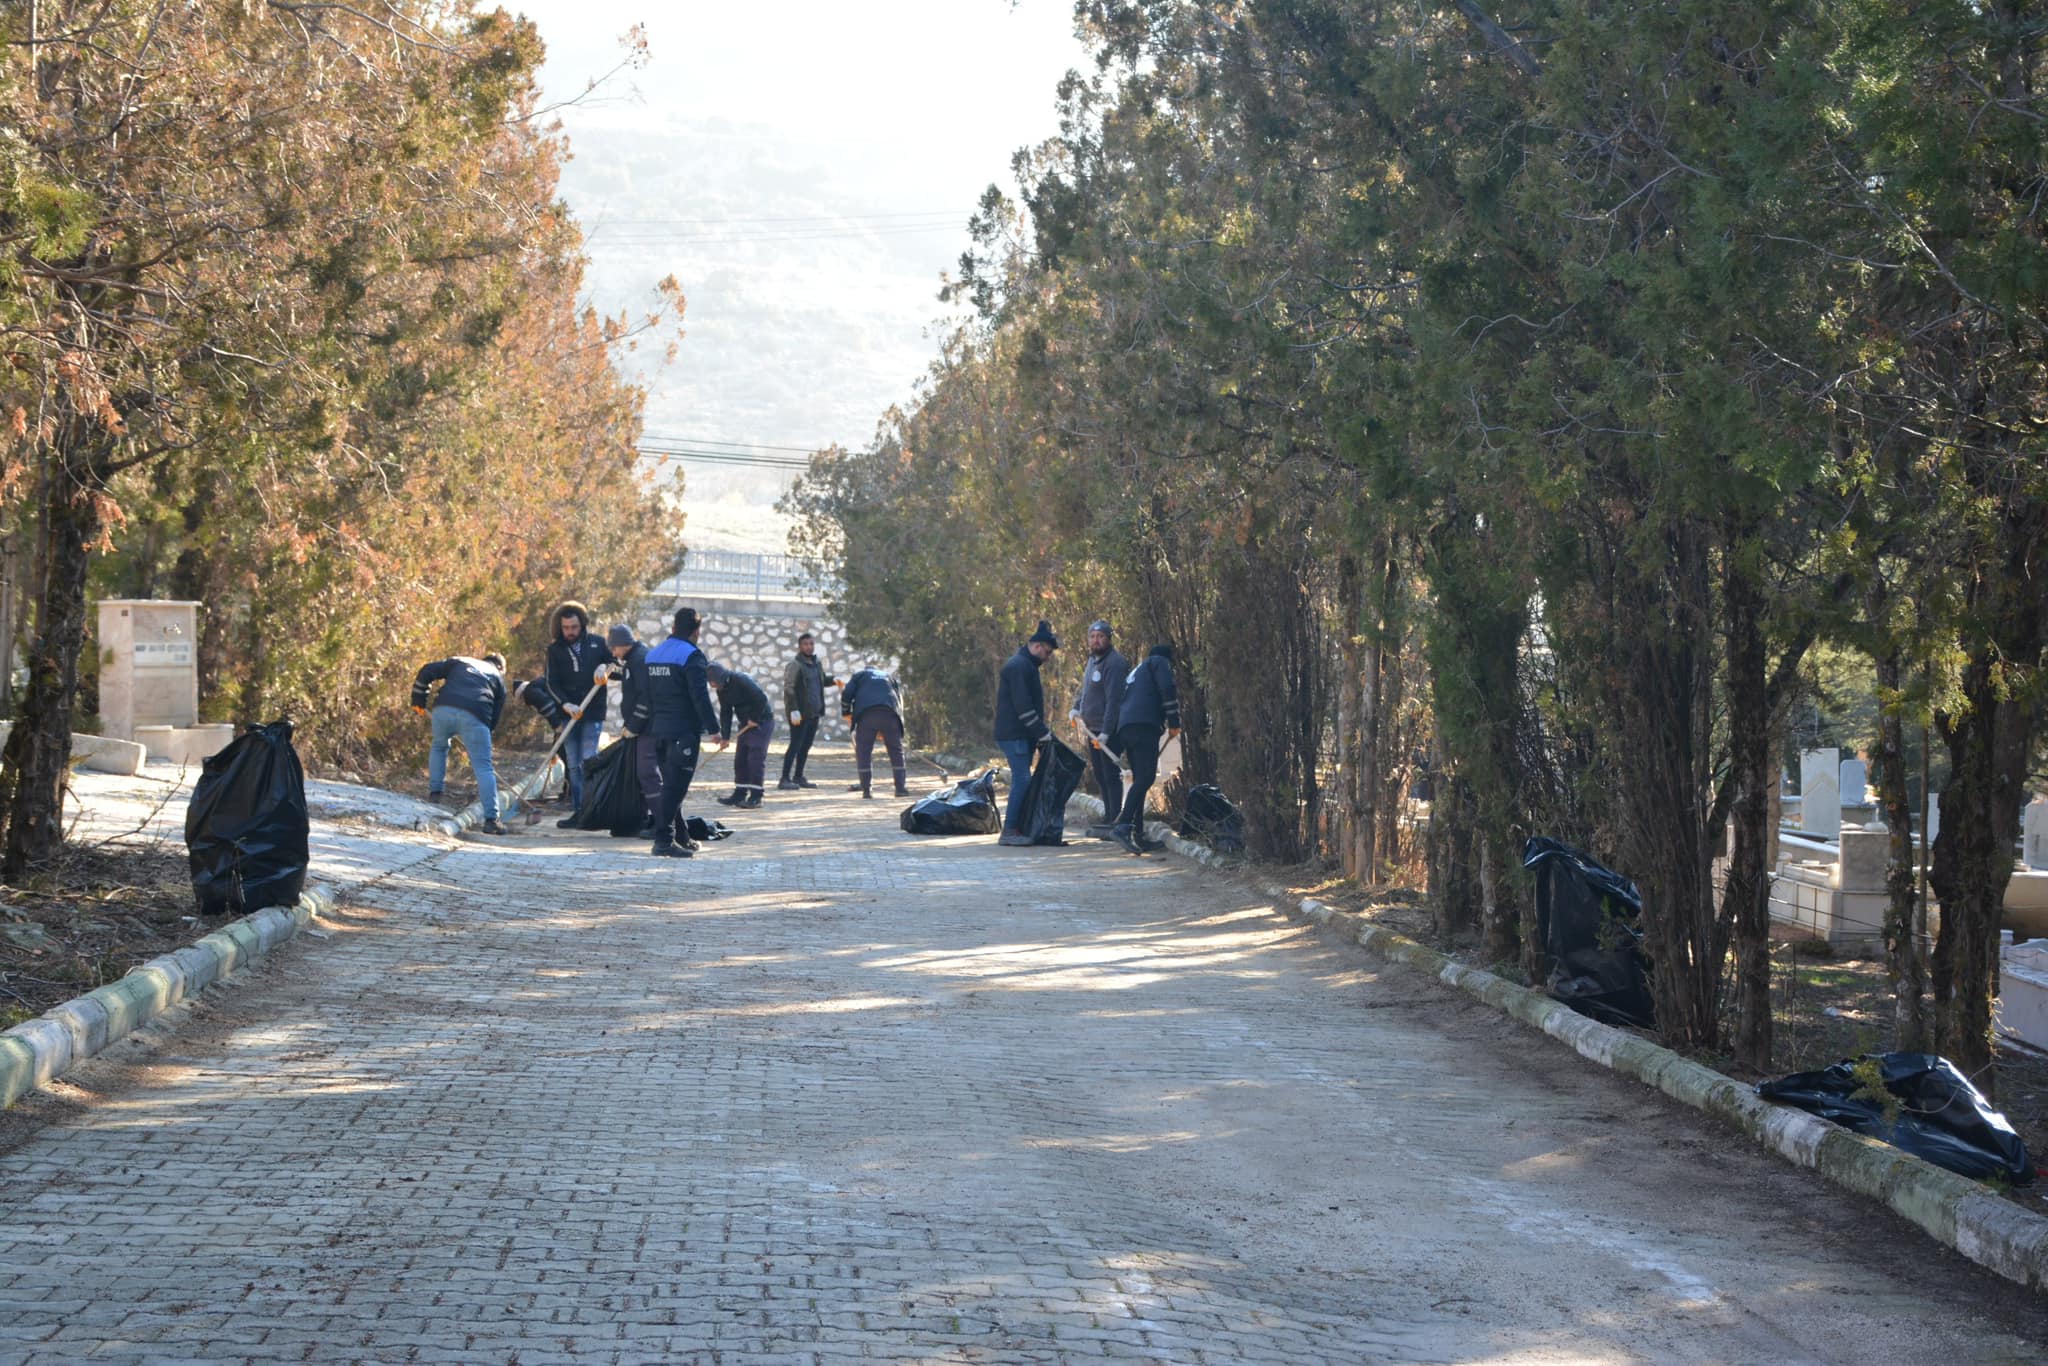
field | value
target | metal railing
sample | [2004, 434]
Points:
[746, 574]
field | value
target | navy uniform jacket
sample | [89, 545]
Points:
[1150, 698]
[867, 690]
[741, 696]
[636, 700]
[1102, 688]
[1020, 700]
[680, 699]
[466, 684]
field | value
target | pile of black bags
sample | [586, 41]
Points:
[1933, 1112]
[1590, 919]
[968, 807]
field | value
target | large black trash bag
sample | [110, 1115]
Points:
[1590, 921]
[968, 807]
[612, 797]
[1053, 781]
[1212, 818]
[245, 831]
[1940, 1116]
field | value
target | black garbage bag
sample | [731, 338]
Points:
[612, 797]
[968, 807]
[1053, 781]
[1939, 1115]
[246, 828]
[1590, 921]
[1212, 818]
[701, 829]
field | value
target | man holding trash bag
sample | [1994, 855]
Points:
[1020, 722]
[1102, 689]
[636, 707]
[872, 706]
[682, 715]
[471, 700]
[1149, 708]
[577, 662]
[740, 696]
[804, 681]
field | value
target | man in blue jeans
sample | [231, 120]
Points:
[471, 700]
[1021, 726]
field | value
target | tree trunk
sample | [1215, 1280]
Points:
[38, 754]
[1905, 955]
[1746, 895]
[1353, 858]
[1453, 872]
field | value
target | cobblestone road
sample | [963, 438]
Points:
[827, 1093]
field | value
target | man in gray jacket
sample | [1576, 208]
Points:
[1102, 691]
[804, 681]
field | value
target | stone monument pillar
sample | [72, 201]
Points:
[1820, 792]
[149, 665]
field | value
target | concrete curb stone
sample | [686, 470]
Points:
[38, 1051]
[1963, 1214]
[471, 816]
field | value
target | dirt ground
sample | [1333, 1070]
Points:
[1825, 1009]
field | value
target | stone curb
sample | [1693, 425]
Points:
[471, 816]
[1987, 1228]
[39, 1051]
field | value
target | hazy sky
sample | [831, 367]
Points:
[806, 170]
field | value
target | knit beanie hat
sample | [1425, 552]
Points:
[1044, 636]
[621, 634]
[1102, 626]
[717, 673]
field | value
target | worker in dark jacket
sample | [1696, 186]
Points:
[682, 715]
[1102, 688]
[1150, 708]
[636, 714]
[577, 662]
[872, 706]
[1020, 721]
[804, 681]
[471, 700]
[739, 696]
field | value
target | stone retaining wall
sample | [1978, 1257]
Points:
[758, 639]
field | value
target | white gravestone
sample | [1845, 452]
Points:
[1820, 792]
[2034, 834]
[1855, 782]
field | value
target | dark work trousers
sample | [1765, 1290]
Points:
[1109, 782]
[800, 738]
[887, 724]
[1141, 747]
[678, 766]
[647, 763]
[750, 759]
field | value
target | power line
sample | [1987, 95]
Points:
[802, 217]
[734, 445]
[598, 236]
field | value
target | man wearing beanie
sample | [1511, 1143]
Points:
[682, 717]
[1102, 688]
[636, 707]
[1020, 721]
[741, 696]
[1150, 708]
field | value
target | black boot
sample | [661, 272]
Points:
[750, 802]
[802, 781]
[788, 785]
[1122, 835]
[731, 799]
[670, 849]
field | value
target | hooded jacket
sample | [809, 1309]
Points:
[1150, 697]
[572, 664]
[636, 702]
[867, 690]
[681, 701]
[467, 684]
[1020, 700]
[1102, 689]
[537, 696]
[740, 696]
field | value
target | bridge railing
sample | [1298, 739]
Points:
[746, 574]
